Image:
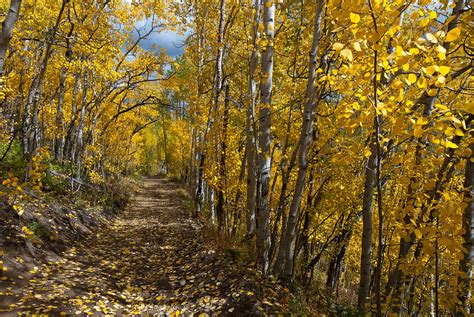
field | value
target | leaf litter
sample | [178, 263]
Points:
[153, 260]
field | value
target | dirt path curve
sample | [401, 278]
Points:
[152, 260]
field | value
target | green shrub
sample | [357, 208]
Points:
[346, 310]
[39, 230]
[14, 160]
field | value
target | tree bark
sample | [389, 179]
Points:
[466, 264]
[221, 216]
[34, 138]
[217, 88]
[264, 155]
[366, 252]
[59, 138]
[251, 144]
[7, 31]
[335, 264]
[304, 145]
[70, 141]
[81, 124]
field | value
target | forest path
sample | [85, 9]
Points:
[152, 260]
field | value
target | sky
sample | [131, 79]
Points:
[169, 40]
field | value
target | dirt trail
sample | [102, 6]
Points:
[153, 259]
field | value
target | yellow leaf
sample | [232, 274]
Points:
[444, 241]
[453, 35]
[412, 78]
[424, 22]
[430, 70]
[417, 131]
[422, 121]
[433, 15]
[357, 46]
[337, 46]
[440, 81]
[347, 54]
[431, 38]
[355, 18]
[451, 145]
[459, 132]
[443, 70]
[418, 234]
[26, 230]
[449, 132]
[440, 49]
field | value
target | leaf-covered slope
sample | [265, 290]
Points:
[152, 259]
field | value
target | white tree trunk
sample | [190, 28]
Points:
[251, 145]
[7, 31]
[80, 128]
[304, 142]
[264, 156]
[217, 88]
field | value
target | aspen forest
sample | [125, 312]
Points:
[236, 158]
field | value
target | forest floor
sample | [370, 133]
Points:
[152, 259]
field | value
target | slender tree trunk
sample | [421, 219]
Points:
[380, 247]
[37, 86]
[6, 34]
[235, 207]
[59, 138]
[165, 164]
[70, 141]
[251, 144]
[264, 155]
[221, 216]
[302, 242]
[466, 264]
[198, 186]
[81, 124]
[336, 262]
[281, 214]
[366, 253]
[192, 159]
[304, 145]
[217, 88]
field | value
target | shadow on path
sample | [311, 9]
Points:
[153, 259]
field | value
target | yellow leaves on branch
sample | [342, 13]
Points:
[355, 18]
[357, 47]
[431, 38]
[418, 234]
[433, 15]
[337, 46]
[444, 70]
[440, 81]
[453, 35]
[422, 121]
[451, 145]
[26, 231]
[347, 54]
